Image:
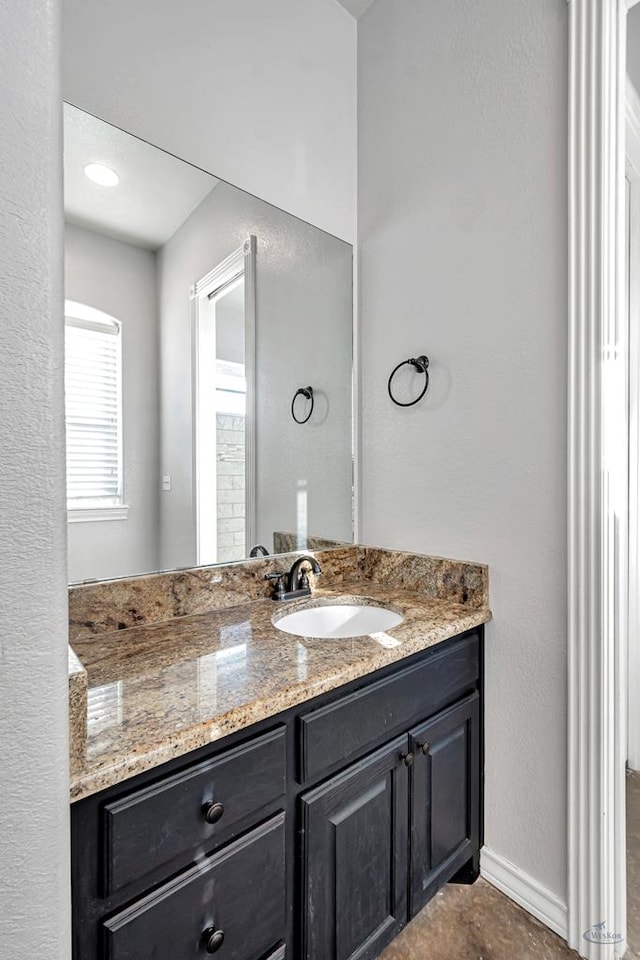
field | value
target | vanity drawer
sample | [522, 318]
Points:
[239, 892]
[171, 822]
[333, 735]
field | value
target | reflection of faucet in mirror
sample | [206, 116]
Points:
[295, 583]
[259, 550]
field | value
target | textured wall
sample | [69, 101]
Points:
[34, 792]
[120, 279]
[260, 94]
[462, 224]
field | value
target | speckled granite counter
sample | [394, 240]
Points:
[161, 689]
[78, 685]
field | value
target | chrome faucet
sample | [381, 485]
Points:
[294, 583]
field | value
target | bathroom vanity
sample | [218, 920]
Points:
[259, 795]
[264, 765]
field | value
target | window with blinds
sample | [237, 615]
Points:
[93, 408]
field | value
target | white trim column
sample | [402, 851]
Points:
[632, 308]
[597, 481]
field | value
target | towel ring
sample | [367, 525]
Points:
[307, 393]
[421, 364]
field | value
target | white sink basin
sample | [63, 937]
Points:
[338, 621]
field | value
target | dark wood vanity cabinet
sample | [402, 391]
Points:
[383, 836]
[232, 903]
[354, 831]
[163, 826]
[315, 835]
[445, 799]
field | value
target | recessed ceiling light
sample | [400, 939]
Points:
[101, 174]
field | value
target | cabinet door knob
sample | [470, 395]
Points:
[213, 812]
[407, 759]
[213, 940]
[425, 747]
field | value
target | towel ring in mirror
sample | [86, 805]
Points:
[307, 393]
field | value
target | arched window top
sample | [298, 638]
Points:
[82, 315]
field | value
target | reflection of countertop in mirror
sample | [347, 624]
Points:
[160, 690]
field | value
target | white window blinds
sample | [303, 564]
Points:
[93, 404]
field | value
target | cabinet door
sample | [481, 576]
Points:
[445, 798]
[355, 858]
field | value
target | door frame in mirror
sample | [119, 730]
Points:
[632, 308]
[242, 260]
[598, 444]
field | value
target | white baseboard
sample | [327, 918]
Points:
[525, 891]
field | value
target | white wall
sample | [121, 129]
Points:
[260, 94]
[121, 279]
[34, 787]
[303, 336]
[462, 225]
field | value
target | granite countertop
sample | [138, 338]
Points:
[162, 664]
[159, 690]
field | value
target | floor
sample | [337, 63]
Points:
[479, 923]
[476, 923]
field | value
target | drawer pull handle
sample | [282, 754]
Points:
[213, 812]
[425, 747]
[407, 759]
[213, 940]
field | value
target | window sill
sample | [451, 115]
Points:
[93, 514]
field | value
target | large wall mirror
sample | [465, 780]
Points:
[208, 366]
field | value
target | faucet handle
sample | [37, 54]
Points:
[278, 589]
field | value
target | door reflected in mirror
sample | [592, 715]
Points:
[224, 328]
[194, 313]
